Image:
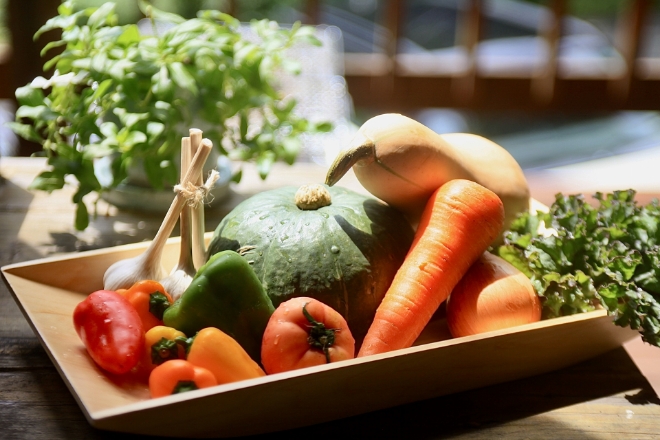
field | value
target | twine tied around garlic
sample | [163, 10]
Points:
[194, 194]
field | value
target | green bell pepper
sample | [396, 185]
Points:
[226, 294]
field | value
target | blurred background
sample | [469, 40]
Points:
[553, 81]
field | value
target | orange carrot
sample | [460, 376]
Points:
[460, 221]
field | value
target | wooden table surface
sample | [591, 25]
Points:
[608, 397]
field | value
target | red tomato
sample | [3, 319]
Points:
[111, 330]
[294, 339]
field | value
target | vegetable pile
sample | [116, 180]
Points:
[298, 278]
[606, 256]
[124, 332]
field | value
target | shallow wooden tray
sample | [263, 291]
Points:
[47, 291]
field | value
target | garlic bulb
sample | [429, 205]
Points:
[179, 279]
[147, 266]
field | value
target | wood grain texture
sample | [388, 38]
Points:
[605, 397]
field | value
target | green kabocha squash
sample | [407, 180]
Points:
[332, 244]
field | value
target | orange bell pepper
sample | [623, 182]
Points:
[223, 356]
[150, 300]
[178, 376]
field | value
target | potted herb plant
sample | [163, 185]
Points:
[125, 95]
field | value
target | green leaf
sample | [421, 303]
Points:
[40, 112]
[214, 15]
[291, 148]
[516, 257]
[47, 181]
[130, 36]
[99, 62]
[162, 83]
[119, 69]
[182, 77]
[30, 96]
[130, 119]
[51, 45]
[243, 125]
[109, 129]
[155, 129]
[82, 217]
[246, 53]
[157, 14]
[265, 162]
[323, 127]
[102, 89]
[237, 176]
[93, 151]
[134, 138]
[102, 16]
[63, 21]
[26, 131]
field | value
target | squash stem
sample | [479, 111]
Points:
[349, 157]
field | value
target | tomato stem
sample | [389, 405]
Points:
[319, 336]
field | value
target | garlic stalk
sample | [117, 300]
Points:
[147, 266]
[182, 274]
[198, 225]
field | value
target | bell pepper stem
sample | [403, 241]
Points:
[186, 343]
[163, 350]
[158, 302]
[183, 386]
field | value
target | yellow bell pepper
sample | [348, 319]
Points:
[223, 356]
[161, 344]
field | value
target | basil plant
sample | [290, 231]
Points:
[132, 95]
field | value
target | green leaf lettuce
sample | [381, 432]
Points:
[605, 254]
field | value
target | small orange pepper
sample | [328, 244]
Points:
[178, 376]
[161, 344]
[218, 352]
[150, 300]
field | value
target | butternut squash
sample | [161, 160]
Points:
[402, 162]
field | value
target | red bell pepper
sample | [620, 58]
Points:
[111, 330]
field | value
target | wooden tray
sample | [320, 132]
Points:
[47, 291]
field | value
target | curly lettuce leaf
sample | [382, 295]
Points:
[585, 256]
